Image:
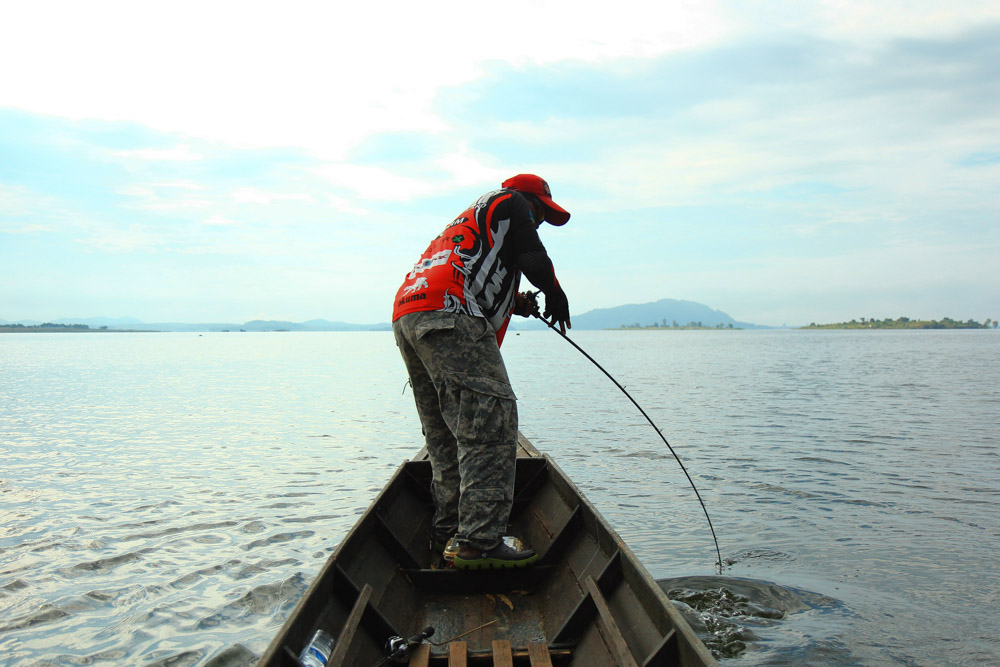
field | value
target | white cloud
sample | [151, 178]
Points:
[25, 228]
[219, 221]
[25, 210]
[257, 196]
[456, 169]
[123, 241]
[857, 20]
[180, 154]
[150, 198]
[466, 169]
[309, 74]
[345, 205]
[179, 185]
[324, 76]
[369, 182]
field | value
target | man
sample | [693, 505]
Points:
[450, 316]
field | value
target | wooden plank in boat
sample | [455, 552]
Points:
[421, 656]
[612, 635]
[501, 653]
[457, 653]
[538, 653]
[346, 637]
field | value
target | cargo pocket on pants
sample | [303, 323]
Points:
[433, 322]
[487, 411]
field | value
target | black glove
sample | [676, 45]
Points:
[557, 308]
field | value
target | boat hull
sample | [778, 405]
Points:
[587, 601]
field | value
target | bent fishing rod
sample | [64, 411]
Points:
[656, 428]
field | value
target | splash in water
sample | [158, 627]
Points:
[728, 613]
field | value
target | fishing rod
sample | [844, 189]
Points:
[530, 296]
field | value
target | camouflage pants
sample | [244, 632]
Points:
[469, 418]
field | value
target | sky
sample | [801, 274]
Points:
[786, 162]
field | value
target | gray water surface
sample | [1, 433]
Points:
[166, 498]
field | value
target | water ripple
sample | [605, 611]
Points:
[166, 499]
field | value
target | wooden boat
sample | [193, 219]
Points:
[587, 601]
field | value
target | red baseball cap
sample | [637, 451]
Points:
[535, 185]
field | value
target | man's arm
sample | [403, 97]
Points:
[531, 258]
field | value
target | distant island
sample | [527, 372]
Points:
[51, 327]
[664, 326]
[906, 323]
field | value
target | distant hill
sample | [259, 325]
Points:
[311, 325]
[265, 325]
[665, 312]
[131, 324]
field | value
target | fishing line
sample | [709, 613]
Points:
[656, 428]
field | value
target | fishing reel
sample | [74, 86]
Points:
[526, 304]
[398, 649]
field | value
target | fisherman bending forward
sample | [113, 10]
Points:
[449, 320]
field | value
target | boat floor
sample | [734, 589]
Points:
[501, 654]
[586, 602]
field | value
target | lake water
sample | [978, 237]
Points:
[166, 498]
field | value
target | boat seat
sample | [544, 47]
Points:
[502, 655]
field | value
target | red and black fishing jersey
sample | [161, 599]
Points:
[471, 267]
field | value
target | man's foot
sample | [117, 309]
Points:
[499, 557]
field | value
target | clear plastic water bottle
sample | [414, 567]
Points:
[318, 650]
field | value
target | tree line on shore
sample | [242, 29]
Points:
[50, 326]
[906, 323]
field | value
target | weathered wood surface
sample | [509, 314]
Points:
[587, 602]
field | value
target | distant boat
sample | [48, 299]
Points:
[587, 601]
